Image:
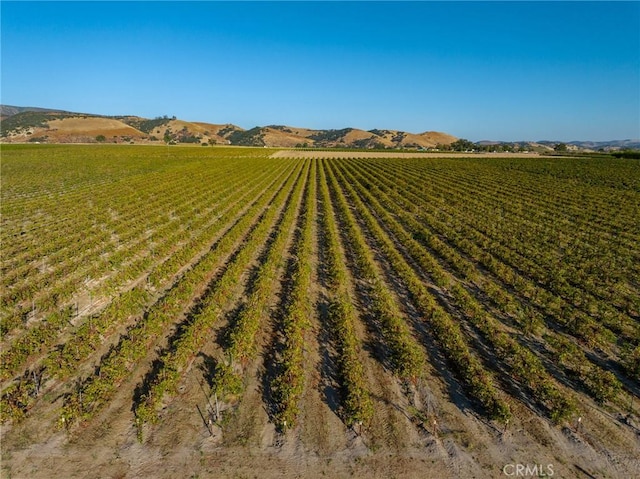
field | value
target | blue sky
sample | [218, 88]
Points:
[479, 70]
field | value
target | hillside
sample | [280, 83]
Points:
[26, 124]
[602, 145]
[7, 111]
[42, 125]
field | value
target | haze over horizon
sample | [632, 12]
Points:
[478, 70]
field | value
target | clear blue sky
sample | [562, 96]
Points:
[477, 70]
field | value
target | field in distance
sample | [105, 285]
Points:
[229, 312]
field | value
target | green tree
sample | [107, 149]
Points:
[560, 147]
[462, 145]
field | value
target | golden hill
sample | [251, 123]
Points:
[20, 125]
[78, 129]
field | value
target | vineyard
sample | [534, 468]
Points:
[200, 311]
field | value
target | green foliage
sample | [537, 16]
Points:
[508, 267]
[357, 407]
[406, 356]
[288, 386]
[371, 143]
[602, 385]
[189, 139]
[561, 147]
[252, 137]
[462, 145]
[280, 128]
[631, 362]
[629, 154]
[223, 132]
[147, 126]
[31, 119]
[193, 335]
[225, 381]
[328, 136]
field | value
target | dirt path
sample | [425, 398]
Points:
[395, 154]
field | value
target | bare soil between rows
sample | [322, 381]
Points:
[429, 429]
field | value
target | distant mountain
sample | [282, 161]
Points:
[27, 124]
[548, 145]
[7, 111]
[605, 145]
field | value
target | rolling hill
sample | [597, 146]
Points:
[41, 125]
[27, 124]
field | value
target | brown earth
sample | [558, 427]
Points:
[394, 154]
[288, 138]
[428, 139]
[460, 444]
[80, 129]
